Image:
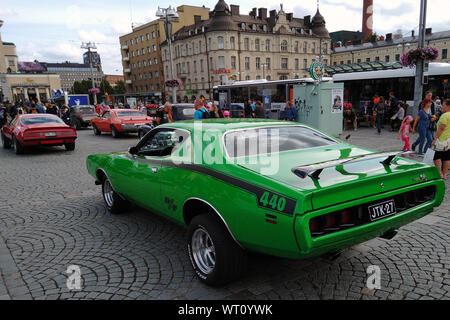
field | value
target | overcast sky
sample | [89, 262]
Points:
[52, 31]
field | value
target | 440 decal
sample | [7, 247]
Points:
[276, 202]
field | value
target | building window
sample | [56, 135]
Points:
[149, 62]
[154, 48]
[232, 43]
[220, 43]
[156, 60]
[211, 64]
[247, 78]
[209, 43]
[137, 40]
[305, 47]
[377, 59]
[233, 62]
[325, 62]
[268, 63]
[284, 45]
[200, 46]
[267, 45]
[397, 57]
[187, 49]
[305, 64]
[367, 59]
[221, 62]
[188, 67]
[387, 58]
[349, 61]
[153, 34]
[142, 38]
[132, 41]
[201, 65]
[148, 36]
[195, 66]
[258, 63]
[359, 60]
[444, 53]
[284, 63]
[143, 51]
[325, 48]
[296, 47]
[247, 63]
[144, 63]
[156, 74]
[313, 49]
[257, 48]
[246, 44]
[297, 64]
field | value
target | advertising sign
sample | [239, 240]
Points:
[337, 105]
[78, 100]
[132, 102]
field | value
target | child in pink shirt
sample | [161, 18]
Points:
[404, 131]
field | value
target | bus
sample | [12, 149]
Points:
[360, 87]
[273, 95]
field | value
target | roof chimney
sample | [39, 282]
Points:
[367, 23]
[428, 31]
[234, 10]
[262, 13]
[253, 12]
[307, 21]
[289, 16]
[389, 37]
[413, 33]
[273, 13]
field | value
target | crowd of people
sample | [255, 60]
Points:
[9, 110]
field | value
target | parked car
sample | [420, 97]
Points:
[180, 112]
[300, 194]
[30, 130]
[118, 121]
[81, 116]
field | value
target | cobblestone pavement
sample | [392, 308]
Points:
[52, 216]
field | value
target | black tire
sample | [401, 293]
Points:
[5, 142]
[114, 132]
[70, 146]
[18, 148]
[230, 260]
[115, 203]
[96, 131]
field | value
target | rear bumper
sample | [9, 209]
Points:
[131, 128]
[310, 246]
[47, 142]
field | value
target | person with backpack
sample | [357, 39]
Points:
[200, 111]
[2, 116]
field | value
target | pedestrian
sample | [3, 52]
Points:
[392, 106]
[397, 118]
[2, 115]
[350, 118]
[380, 109]
[39, 108]
[403, 133]
[423, 123]
[259, 113]
[438, 107]
[429, 95]
[248, 111]
[365, 112]
[441, 142]
[214, 111]
[226, 114]
[290, 112]
[200, 111]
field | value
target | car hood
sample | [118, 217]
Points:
[343, 182]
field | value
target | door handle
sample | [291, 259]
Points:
[154, 170]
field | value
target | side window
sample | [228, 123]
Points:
[162, 142]
[106, 115]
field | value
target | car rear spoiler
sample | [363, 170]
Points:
[314, 170]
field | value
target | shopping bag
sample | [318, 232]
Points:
[429, 156]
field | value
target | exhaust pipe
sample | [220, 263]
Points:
[389, 235]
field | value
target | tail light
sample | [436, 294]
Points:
[346, 219]
[32, 134]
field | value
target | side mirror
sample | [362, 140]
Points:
[133, 150]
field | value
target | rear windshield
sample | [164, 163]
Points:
[259, 141]
[40, 120]
[86, 109]
[130, 114]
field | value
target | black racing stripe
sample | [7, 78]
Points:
[288, 209]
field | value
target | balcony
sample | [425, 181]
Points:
[128, 81]
[124, 47]
[128, 70]
[127, 59]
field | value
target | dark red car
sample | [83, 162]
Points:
[30, 130]
[119, 121]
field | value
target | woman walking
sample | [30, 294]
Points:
[423, 123]
[441, 142]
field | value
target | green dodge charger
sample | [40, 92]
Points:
[273, 187]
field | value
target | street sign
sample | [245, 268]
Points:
[316, 70]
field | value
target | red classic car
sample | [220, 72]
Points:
[119, 121]
[31, 130]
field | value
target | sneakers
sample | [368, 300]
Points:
[413, 147]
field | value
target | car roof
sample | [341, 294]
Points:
[33, 115]
[228, 124]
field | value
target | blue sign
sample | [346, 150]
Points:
[81, 100]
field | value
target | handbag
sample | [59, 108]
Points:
[442, 145]
[429, 157]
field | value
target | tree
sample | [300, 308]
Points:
[120, 88]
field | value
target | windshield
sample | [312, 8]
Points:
[130, 114]
[40, 120]
[261, 141]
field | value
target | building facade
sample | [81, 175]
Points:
[391, 48]
[113, 79]
[141, 54]
[71, 72]
[8, 55]
[229, 45]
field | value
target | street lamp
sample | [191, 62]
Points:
[167, 14]
[89, 46]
